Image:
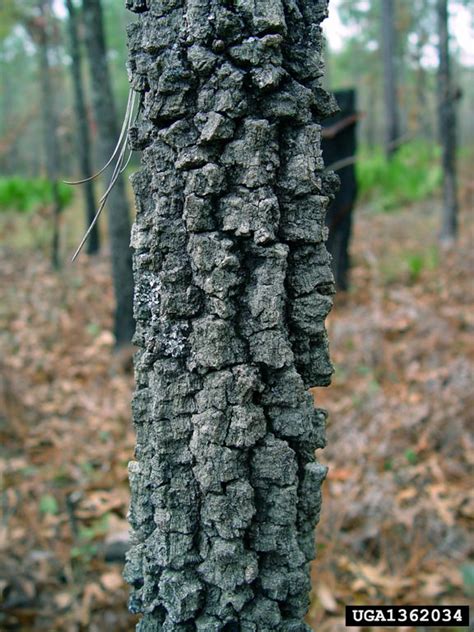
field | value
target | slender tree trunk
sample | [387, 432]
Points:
[392, 116]
[339, 143]
[233, 285]
[447, 129]
[9, 151]
[423, 110]
[118, 208]
[83, 136]
[50, 127]
[371, 119]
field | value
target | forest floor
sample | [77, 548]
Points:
[398, 502]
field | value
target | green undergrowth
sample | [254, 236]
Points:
[412, 174]
[408, 265]
[26, 195]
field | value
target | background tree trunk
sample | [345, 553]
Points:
[339, 143]
[118, 208]
[233, 284]
[421, 91]
[392, 116]
[9, 155]
[82, 133]
[371, 114]
[447, 128]
[50, 124]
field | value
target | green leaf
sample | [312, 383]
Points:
[84, 552]
[411, 456]
[388, 465]
[48, 504]
[93, 329]
[467, 571]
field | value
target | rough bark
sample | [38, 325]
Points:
[50, 125]
[82, 132]
[233, 284]
[447, 129]
[117, 205]
[392, 116]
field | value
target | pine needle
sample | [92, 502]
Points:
[119, 168]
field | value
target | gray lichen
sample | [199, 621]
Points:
[233, 285]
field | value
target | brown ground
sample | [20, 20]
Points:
[397, 501]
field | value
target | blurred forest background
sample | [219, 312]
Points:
[398, 505]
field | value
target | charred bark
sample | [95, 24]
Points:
[233, 284]
[83, 135]
[117, 205]
[447, 129]
[340, 143]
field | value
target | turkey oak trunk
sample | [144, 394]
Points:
[117, 204]
[83, 136]
[447, 129]
[233, 284]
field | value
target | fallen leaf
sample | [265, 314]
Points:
[112, 581]
[326, 598]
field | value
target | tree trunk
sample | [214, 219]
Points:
[50, 127]
[233, 284]
[421, 89]
[447, 129]
[371, 109]
[339, 143]
[8, 143]
[118, 208]
[82, 132]
[392, 117]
